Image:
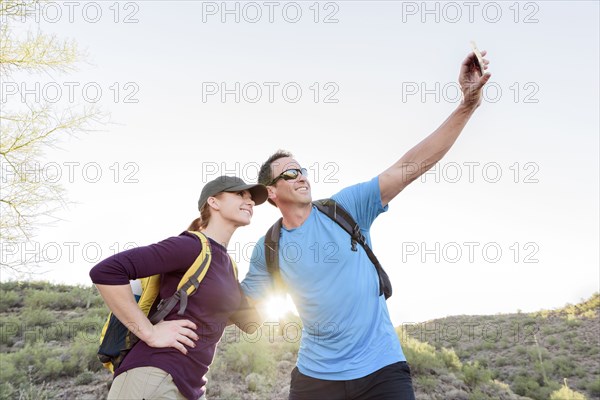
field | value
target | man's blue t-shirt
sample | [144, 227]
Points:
[347, 332]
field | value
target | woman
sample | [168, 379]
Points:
[172, 357]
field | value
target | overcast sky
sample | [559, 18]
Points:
[508, 220]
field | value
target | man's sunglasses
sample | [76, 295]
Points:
[288, 175]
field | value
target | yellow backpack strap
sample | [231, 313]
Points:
[188, 283]
[234, 265]
[150, 292]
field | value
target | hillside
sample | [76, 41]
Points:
[533, 352]
[49, 336]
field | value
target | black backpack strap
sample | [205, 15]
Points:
[272, 254]
[343, 218]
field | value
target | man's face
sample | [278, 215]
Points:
[285, 190]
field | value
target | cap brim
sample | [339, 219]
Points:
[259, 192]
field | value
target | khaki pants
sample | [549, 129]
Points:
[148, 383]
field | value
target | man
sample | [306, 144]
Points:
[349, 347]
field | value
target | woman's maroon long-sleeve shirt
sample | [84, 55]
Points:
[217, 297]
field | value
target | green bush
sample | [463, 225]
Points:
[10, 329]
[524, 386]
[85, 378]
[451, 360]
[82, 356]
[479, 395]
[245, 357]
[74, 297]
[426, 383]
[8, 391]
[475, 375]
[501, 361]
[37, 317]
[421, 356]
[521, 350]
[594, 387]
[31, 391]
[564, 366]
[9, 299]
[38, 360]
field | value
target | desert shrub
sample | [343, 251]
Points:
[10, 329]
[426, 383]
[45, 299]
[85, 378]
[564, 366]
[82, 356]
[501, 361]
[589, 314]
[521, 350]
[245, 356]
[475, 375]
[479, 395]
[254, 382]
[565, 393]
[32, 391]
[37, 317]
[523, 385]
[594, 387]
[451, 360]
[61, 297]
[421, 356]
[573, 322]
[10, 376]
[9, 299]
[90, 324]
[8, 391]
[38, 362]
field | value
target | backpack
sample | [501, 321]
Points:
[116, 339]
[338, 214]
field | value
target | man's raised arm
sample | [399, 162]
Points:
[430, 150]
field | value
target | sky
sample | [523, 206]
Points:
[507, 221]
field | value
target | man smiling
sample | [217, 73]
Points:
[349, 347]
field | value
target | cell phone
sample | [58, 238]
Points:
[478, 56]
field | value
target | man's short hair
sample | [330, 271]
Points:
[265, 175]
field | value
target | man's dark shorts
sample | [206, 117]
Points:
[389, 383]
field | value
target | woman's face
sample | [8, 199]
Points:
[236, 207]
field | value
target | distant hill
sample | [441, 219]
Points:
[532, 352]
[49, 337]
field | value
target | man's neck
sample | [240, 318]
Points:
[294, 216]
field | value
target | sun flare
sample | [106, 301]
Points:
[277, 307]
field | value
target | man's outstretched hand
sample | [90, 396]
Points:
[471, 81]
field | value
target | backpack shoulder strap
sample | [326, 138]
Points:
[272, 254]
[234, 266]
[343, 218]
[188, 283]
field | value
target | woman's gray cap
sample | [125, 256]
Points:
[232, 184]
